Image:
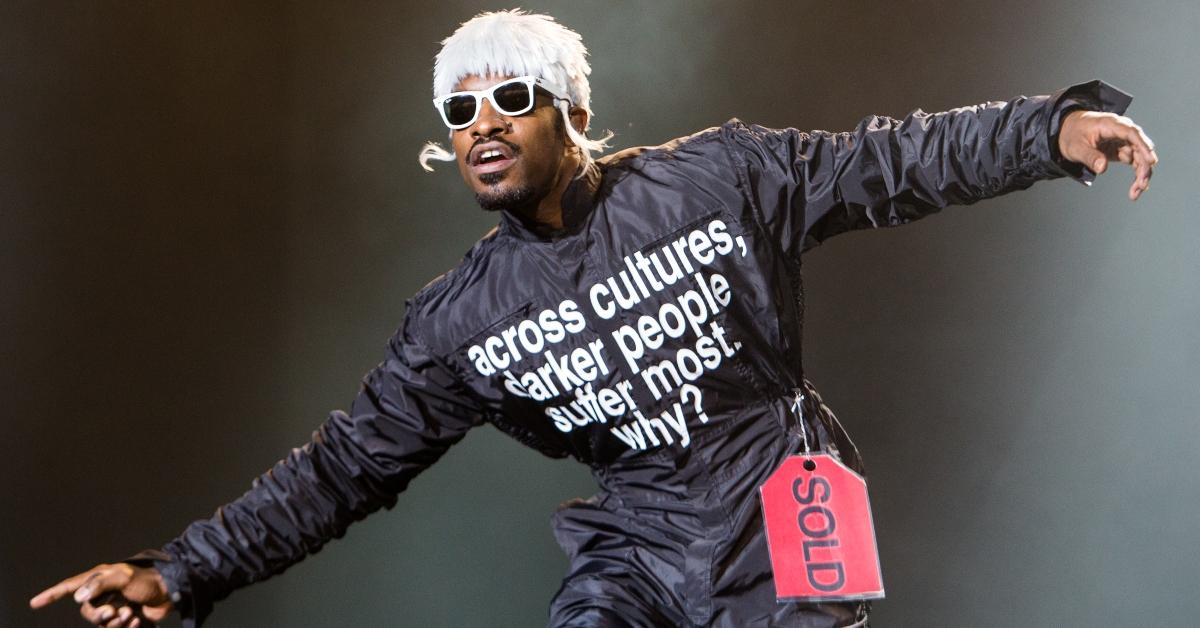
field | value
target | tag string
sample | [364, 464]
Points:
[798, 402]
[798, 408]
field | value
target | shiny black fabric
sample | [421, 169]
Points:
[674, 537]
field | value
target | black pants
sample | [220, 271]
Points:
[682, 544]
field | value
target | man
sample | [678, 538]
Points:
[641, 313]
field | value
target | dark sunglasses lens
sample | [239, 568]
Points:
[513, 98]
[459, 109]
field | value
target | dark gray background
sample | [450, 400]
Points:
[211, 214]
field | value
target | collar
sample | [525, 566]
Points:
[578, 202]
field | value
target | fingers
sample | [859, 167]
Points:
[1135, 148]
[62, 589]
[1143, 166]
[110, 615]
[125, 617]
[1141, 181]
[115, 613]
[1114, 137]
[99, 615]
[1142, 157]
[101, 598]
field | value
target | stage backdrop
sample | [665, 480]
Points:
[211, 214]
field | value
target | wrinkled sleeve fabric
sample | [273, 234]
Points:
[809, 186]
[409, 411]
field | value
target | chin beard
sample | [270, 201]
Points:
[511, 198]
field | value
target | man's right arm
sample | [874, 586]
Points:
[410, 410]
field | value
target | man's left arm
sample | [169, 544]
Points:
[811, 186]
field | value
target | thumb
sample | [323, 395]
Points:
[1095, 160]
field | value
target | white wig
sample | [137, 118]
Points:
[515, 43]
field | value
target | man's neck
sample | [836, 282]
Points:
[547, 217]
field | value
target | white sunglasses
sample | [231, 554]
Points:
[511, 98]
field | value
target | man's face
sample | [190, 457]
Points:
[532, 149]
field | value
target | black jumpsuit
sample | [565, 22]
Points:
[657, 341]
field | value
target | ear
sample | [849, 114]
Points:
[579, 119]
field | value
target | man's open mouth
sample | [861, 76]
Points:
[491, 157]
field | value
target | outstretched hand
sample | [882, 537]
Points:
[1094, 138]
[113, 596]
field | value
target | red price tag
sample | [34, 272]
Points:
[819, 532]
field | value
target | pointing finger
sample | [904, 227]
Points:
[60, 590]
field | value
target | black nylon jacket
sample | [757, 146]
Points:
[657, 340]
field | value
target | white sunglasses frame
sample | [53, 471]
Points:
[529, 81]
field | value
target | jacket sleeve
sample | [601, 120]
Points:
[807, 187]
[409, 411]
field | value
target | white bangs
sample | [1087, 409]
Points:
[516, 43]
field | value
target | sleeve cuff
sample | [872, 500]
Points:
[1095, 95]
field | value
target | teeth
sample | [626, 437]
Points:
[488, 154]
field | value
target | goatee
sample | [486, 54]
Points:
[511, 198]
